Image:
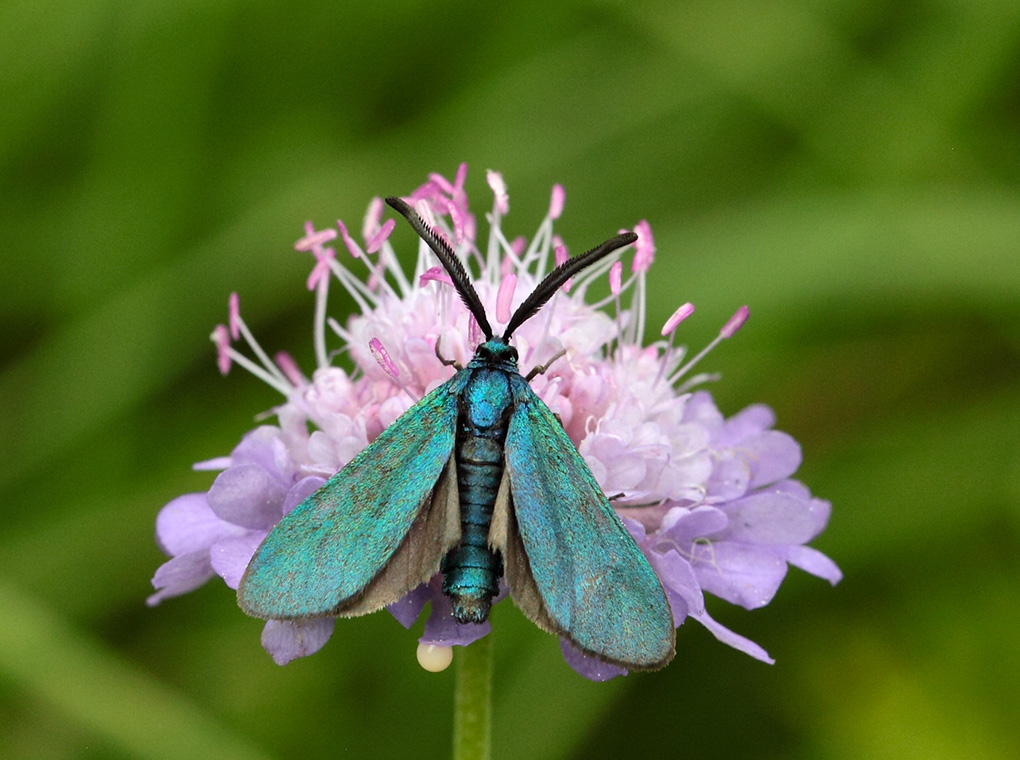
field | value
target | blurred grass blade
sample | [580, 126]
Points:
[64, 667]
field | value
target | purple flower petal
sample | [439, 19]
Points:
[590, 667]
[729, 480]
[230, 557]
[741, 574]
[301, 491]
[822, 511]
[216, 463]
[701, 409]
[735, 640]
[625, 468]
[179, 575]
[793, 488]
[680, 583]
[684, 478]
[635, 528]
[771, 456]
[247, 495]
[187, 524]
[263, 447]
[813, 561]
[774, 518]
[442, 628]
[746, 423]
[286, 640]
[408, 609]
[681, 526]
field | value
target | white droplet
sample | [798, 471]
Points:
[434, 659]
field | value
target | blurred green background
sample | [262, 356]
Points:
[849, 169]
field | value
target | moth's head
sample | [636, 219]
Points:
[496, 351]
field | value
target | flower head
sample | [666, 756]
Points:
[709, 500]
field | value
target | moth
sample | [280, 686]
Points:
[477, 480]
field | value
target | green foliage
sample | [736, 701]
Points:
[850, 170]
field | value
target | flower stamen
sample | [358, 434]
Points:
[733, 324]
[226, 355]
[501, 202]
[556, 200]
[382, 358]
[505, 297]
[239, 328]
[314, 239]
[374, 243]
[669, 328]
[290, 369]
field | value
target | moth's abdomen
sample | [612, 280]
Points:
[472, 570]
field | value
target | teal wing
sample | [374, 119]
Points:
[571, 565]
[374, 531]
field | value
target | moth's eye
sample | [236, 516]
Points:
[513, 353]
[484, 352]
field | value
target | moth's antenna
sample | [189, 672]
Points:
[560, 275]
[450, 262]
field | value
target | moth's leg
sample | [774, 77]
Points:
[447, 362]
[541, 368]
[621, 495]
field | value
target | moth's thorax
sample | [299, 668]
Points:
[486, 399]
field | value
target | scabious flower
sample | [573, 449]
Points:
[709, 500]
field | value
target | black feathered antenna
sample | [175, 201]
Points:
[450, 262]
[548, 287]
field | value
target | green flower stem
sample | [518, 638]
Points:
[472, 702]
